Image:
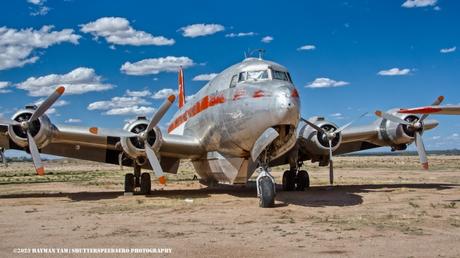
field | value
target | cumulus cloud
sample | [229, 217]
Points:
[448, 50]
[118, 31]
[164, 93]
[418, 3]
[124, 105]
[267, 39]
[17, 46]
[72, 121]
[79, 81]
[205, 77]
[306, 48]
[199, 30]
[58, 103]
[394, 72]
[143, 93]
[3, 87]
[240, 34]
[325, 83]
[156, 65]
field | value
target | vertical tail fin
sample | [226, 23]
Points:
[181, 101]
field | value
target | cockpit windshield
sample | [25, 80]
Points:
[284, 76]
[253, 75]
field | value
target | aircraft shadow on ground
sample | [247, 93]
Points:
[315, 196]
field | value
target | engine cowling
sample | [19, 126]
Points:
[396, 134]
[133, 146]
[40, 129]
[314, 142]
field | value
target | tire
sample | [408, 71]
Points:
[267, 192]
[302, 180]
[288, 180]
[129, 183]
[146, 183]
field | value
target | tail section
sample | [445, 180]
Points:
[181, 98]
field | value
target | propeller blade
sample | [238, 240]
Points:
[331, 165]
[111, 132]
[35, 155]
[421, 150]
[160, 113]
[391, 117]
[47, 103]
[347, 125]
[317, 128]
[435, 103]
[6, 121]
[154, 163]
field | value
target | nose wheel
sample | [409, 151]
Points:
[295, 180]
[265, 188]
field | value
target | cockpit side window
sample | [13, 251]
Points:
[242, 77]
[234, 81]
[278, 75]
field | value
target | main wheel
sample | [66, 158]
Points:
[302, 180]
[267, 192]
[288, 180]
[146, 183]
[129, 183]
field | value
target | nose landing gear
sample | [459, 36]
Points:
[266, 189]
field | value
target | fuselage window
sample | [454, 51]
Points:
[234, 81]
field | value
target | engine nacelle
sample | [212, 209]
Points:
[41, 129]
[313, 142]
[133, 146]
[395, 134]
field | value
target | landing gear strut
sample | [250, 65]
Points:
[136, 179]
[2, 157]
[295, 180]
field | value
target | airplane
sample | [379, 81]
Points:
[245, 120]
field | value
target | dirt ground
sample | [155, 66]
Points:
[380, 207]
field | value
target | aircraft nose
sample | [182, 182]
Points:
[287, 105]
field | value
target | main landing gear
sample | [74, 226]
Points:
[295, 180]
[136, 179]
[266, 189]
[3, 157]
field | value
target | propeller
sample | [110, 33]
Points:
[329, 136]
[144, 136]
[417, 126]
[25, 125]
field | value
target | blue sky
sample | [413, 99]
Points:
[96, 47]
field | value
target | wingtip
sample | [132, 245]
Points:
[40, 171]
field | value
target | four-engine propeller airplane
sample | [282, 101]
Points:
[244, 120]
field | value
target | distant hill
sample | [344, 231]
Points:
[452, 152]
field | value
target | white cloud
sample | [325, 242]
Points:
[143, 93]
[79, 81]
[189, 98]
[117, 30]
[164, 93]
[205, 77]
[124, 105]
[39, 9]
[325, 83]
[394, 72]
[267, 39]
[240, 34]
[17, 46]
[72, 121]
[3, 86]
[307, 47]
[448, 50]
[418, 3]
[336, 114]
[199, 30]
[58, 103]
[156, 65]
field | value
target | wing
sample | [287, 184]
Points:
[440, 110]
[80, 143]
